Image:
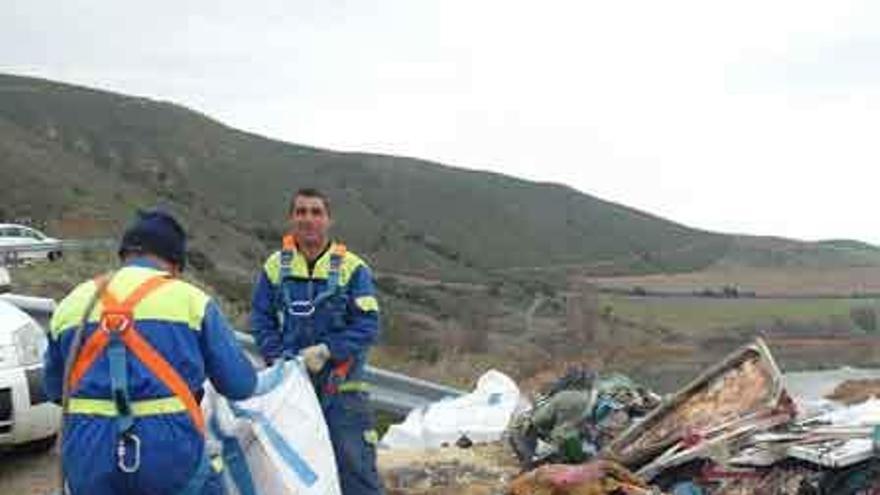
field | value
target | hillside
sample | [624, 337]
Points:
[475, 269]
[80, 160]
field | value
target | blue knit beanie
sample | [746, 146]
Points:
[155, 232]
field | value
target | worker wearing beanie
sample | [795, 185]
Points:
[127, 356]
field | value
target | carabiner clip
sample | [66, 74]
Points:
[308, 309]
[121, 450]
[115, 322]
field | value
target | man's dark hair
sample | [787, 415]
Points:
[309, 192]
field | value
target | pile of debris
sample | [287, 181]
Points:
[733, 430]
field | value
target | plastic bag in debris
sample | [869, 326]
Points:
[619, 402]
[481, 415]
[583, 413]
[276, 443]
[621, 392]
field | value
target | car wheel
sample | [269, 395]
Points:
[38, 446]
[54, 255]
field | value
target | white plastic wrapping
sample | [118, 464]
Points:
[481, 415]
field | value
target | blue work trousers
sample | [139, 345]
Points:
[353, 436]
[170, 451]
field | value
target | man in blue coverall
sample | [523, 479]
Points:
[132, 420]
[315, 299]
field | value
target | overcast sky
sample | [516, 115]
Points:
[757, 117]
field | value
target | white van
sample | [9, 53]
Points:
[25, 414]
[18, 242]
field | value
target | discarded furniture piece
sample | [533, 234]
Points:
[742, 394]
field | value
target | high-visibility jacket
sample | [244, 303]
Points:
[294, 307]
[178, 338]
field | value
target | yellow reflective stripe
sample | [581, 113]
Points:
[217, 464]
[354, 386]
[350, 263]
[272, 267]
[299, 268]
[165, 304]
[104, 407]
[367, 303]
[70, 310]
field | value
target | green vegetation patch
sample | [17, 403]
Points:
[698, 316]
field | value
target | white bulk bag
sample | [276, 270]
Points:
[283, 436]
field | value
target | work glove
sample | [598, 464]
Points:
[269, 378]
[315, 357]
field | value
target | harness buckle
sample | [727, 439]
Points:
[121, 449]
[301, 308]
[115, 321]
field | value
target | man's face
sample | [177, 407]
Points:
[310, 220]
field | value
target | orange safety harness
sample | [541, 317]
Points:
[116, 333]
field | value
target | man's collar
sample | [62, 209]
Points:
[321, 253]
[143, 262]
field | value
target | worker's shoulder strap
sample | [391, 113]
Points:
[288, 253]
[336, 258]
[118, 317]
[111, 309]
[108, 300]
[339, 250]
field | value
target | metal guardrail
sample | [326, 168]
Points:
[391, 392]
[396, 393]
[80, 244]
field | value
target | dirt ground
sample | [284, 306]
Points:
[479, 470]
[28, 472]
[855, 391]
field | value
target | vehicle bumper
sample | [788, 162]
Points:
[25, 414]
